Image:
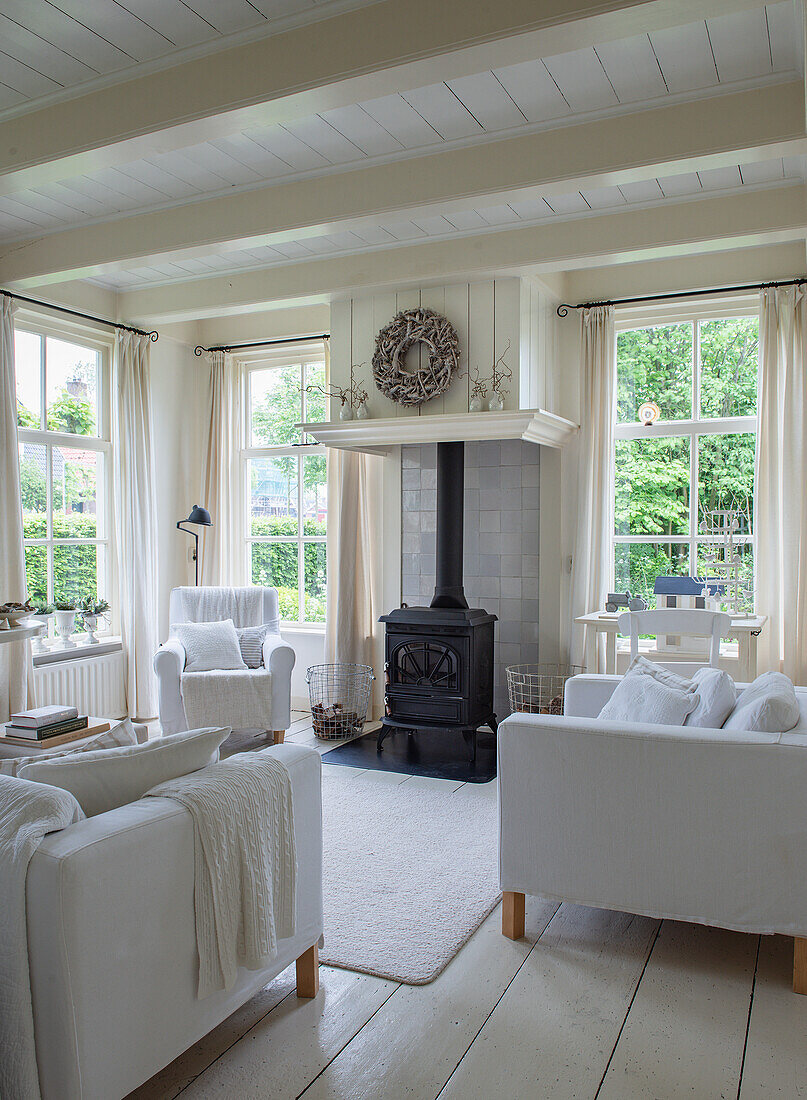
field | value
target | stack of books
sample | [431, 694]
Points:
[51, 725]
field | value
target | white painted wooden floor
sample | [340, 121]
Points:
[589, 1004]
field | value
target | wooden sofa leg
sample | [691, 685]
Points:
[512, 915]
[279, 736]
[799, 965]
[308, 973]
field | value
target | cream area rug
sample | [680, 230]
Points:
[409, 873]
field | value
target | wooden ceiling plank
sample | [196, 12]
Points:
[442, 110]
[59, 30]
[288, 148]
[488, 101]
[740, 44]
[582, 80]
[176, 20]
[632, 68]
[786, 42]
[32, 50]
[234, 15]
[685, 57]
[402, 121]
[325, 140]
[117, 25]
[366, 133]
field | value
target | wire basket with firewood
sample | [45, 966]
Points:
[538, 689]
[339, 695]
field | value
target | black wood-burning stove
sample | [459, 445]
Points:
[439, 659]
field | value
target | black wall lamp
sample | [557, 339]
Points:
[200, 517]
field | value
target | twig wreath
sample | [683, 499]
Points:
[415, 326]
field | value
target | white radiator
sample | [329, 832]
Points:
[93, 684]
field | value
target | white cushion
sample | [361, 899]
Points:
[250, 642]
[209, 646]
[716, 698]
[640, 666]
[102, 780]
[641, 697]
[768, 705]
[120, 734]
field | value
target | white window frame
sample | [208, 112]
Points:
[101, 342]
[693, 429]
[299, 355]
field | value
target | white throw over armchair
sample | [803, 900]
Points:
[257, 698]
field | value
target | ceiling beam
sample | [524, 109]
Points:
[742, 220]
[715, 132]
[307, 69]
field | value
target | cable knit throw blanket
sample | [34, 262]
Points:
[28, 811]
[212, 604]
[241, 699]
[245, 863]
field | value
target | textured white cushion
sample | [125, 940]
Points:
[716, 698]
[640, 666]
[102, 780]
[120, 734]
[640, 697]
[250, 642]
[209, 646]
[768, 705]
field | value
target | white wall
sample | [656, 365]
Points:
[179, 392]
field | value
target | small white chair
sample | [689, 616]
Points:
[713, 625]
[187, 605]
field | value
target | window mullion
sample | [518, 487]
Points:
[300, 544]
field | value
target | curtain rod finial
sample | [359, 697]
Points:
[563, 310]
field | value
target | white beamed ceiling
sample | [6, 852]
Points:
[741, 49]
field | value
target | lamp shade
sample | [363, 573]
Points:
[201, 516]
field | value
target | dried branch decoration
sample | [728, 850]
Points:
[501, 374]
[342, 396]
[478, 387]
[416, 387]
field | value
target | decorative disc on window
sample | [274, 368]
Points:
[416, 386]
[649, 413]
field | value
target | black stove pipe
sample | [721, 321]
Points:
[448, 591]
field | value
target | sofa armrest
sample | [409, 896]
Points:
[170, 658]
[279, 659]
[169, 663]
[586, 695]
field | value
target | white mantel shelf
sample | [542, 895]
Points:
[380, 436]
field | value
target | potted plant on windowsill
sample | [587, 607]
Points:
[43, 612]
[91, 610]
[65, 616]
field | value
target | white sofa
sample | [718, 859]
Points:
[278, 659]
[112, 941]
[701, 825]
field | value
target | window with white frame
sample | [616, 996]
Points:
[64, 447]
[285, 476]
[696, 459]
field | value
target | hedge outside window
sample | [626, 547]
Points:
[697, 457]
[287, 497]
[64, 448]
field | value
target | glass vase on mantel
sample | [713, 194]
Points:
[362, 412]
[496, 402]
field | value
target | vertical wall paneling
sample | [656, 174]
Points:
[506, 326]
[407, 299]
[528, 349]
[341, 348]
[384, 309]
[363, 336]
[433, 298]
[455, 400]
[480, 329]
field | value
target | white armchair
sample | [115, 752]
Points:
[278, 661]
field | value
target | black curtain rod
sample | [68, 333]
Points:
[564, 307]
[199, 350]
[84, 316]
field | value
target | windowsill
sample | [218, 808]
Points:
[302, 628]
[57, 654]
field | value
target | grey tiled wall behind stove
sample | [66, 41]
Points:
[500, 541]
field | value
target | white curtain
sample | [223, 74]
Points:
[781, 507]
[16, 666]
[354, 522]
[595, 508]
[136, 527]
[221, 553]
